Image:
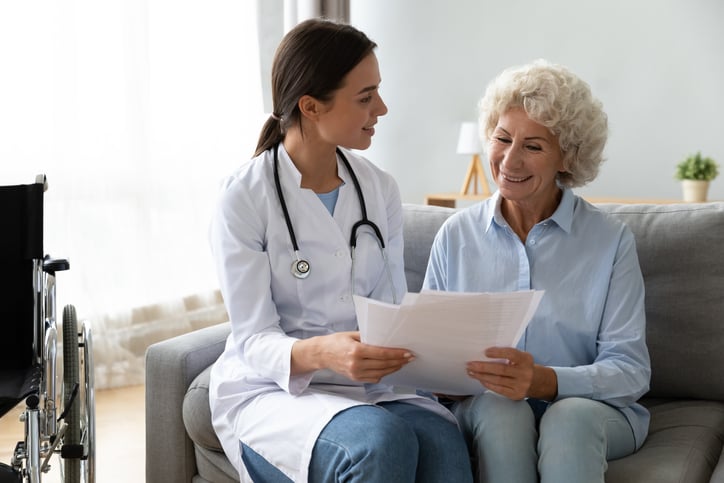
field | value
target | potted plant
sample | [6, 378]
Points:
[695, 172]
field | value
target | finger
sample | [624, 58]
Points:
[507, 386]
[506, 391]
[510, 380]
[381, 364]
[489, 367]
[376, 352]
[364, 367]
[374, 375]
[500, 381]
[509, 353]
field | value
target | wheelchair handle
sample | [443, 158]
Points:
[52, 265]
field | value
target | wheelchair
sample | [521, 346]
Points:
[56, 422]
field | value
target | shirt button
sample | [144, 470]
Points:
[344, 298]
[532, 242]
[339, 253]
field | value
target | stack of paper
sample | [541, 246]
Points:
[445, 330]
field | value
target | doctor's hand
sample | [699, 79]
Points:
[514, 374]
[343, 353]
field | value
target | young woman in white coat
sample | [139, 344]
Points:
[298, 230]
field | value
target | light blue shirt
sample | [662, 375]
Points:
[590, 326]
[329, 200]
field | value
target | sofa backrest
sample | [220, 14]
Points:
[421, 223]
[681, 252]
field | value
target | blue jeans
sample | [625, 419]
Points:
[392, 442]
[569, 440]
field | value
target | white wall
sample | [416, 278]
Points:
[657, 66]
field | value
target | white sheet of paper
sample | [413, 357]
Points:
[445, 330]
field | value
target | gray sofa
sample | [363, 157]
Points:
[681, 250]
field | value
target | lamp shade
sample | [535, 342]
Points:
[469, 140]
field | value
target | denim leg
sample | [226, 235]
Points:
[365, 444]
[443, 455]
[577, 436]
[260, 470]
[502, 437]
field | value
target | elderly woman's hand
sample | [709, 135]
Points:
[514, 374]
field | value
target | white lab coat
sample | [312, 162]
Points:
[253, 397]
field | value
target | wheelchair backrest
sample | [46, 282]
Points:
[21, 245]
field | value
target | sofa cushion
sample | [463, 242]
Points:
[197, 413]
[681, 252]
[211, 462]
[684, 445]
[214, 467]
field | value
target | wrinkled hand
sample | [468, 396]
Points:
[343, 353]
[510, 376]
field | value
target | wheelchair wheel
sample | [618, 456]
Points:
[78, 451]
[88, 421]
[71, 385]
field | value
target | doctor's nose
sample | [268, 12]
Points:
[381, 107]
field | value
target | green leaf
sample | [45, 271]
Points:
[696, 166]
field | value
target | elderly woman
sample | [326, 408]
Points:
[563, 402]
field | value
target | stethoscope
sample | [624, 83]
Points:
[301, 267]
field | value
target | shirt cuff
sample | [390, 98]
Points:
[573, 381]
[299, 382]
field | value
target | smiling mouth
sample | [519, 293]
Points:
[516, 179]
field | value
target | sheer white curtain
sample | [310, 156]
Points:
[134, 109]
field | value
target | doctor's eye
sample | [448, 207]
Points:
[366, 100]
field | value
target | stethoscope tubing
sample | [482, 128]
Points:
[301, 267]
[353, 235]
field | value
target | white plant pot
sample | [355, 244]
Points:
[694, 190]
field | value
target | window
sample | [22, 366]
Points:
[135, 109]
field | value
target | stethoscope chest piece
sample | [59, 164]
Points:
[300, 268]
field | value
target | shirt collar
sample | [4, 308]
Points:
[494, 215]
[286, 160]
[287, 167]
[563, 216]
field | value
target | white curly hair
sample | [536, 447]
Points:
[556, 98]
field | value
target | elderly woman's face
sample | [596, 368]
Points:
[524, 159]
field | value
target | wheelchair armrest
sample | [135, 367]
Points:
[171, 366]
[52, 265]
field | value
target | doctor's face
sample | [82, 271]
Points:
[351, 114]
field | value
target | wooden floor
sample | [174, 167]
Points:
[120, 437]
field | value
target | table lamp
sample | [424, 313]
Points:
[469, 143]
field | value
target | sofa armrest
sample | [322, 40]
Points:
[171, 365]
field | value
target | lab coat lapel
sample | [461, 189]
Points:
[308, 214]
